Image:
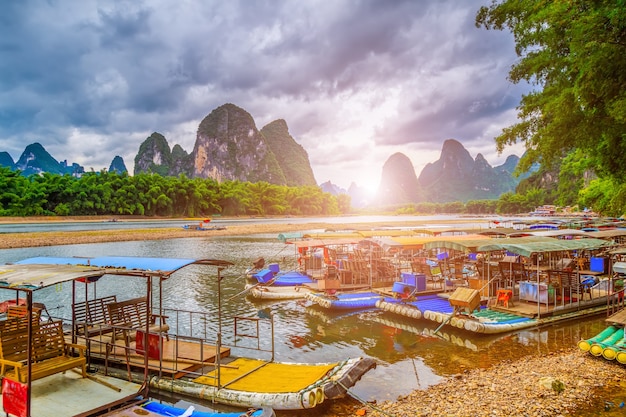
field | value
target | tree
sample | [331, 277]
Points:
[575, 53]
[344, 203]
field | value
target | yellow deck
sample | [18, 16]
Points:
[252, 375]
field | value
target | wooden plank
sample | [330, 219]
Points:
[618, 318]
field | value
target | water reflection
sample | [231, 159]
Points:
[409, 353]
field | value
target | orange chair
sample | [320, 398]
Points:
[504, 296]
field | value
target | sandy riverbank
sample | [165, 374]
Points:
[25, 240]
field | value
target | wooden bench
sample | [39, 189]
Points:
[50, 353]
[133, 315]
[91, 317]
[16, 323]
[16, 312]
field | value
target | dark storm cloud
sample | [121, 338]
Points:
[111, 73]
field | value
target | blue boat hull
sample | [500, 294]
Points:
[282, 279]
[168, 410]
[348, 301]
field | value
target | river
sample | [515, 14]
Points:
[435, 221]
[409, 356]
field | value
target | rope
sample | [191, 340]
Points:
[415, 370]
[363, 402]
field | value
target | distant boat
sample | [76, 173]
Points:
[201, 227]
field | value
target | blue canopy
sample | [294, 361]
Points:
[40, 272]
[165, 265]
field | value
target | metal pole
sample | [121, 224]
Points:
[219, 326]
[29, 383]
[539, 292]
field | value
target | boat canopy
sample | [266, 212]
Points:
[398, 243]
[369, 233]
[37, 276]
[329, 235]
[608, 233]
[560, 233]
[393, 232]
[41, 272]
[532, 242]
[499, 231]
[463, 243]
[318, 243]
[554, 245]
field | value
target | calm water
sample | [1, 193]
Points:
[409, 356]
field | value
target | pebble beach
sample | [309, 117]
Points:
[564, 383]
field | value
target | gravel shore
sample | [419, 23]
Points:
[563, 383]
[27, 240]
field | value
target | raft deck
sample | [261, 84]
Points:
[533, 310]
[178, 357]
[618, 318]
[68, 394]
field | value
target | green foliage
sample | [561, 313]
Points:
[157, 142]
[606, 196]
[574, 53]
[574, 175]
[510, 203]
[344, 203]
[294, 162]
[481, 206]
[148, 194]
[455, 207]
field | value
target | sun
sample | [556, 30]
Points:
[369, 185]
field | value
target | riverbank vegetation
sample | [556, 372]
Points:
[151, 195]
[110, 193]
[572, 120]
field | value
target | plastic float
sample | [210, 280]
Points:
[609, 343]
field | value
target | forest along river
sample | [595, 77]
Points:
[408, 356]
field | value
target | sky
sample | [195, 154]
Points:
[355, 80]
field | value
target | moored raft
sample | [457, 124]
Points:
[416, 309]
[330, 382]
[265, 292]
[346, 301]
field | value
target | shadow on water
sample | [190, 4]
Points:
[409, 355]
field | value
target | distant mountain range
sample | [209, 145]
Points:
[36, 160]
[230, 147]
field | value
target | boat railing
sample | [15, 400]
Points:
[237, 332]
